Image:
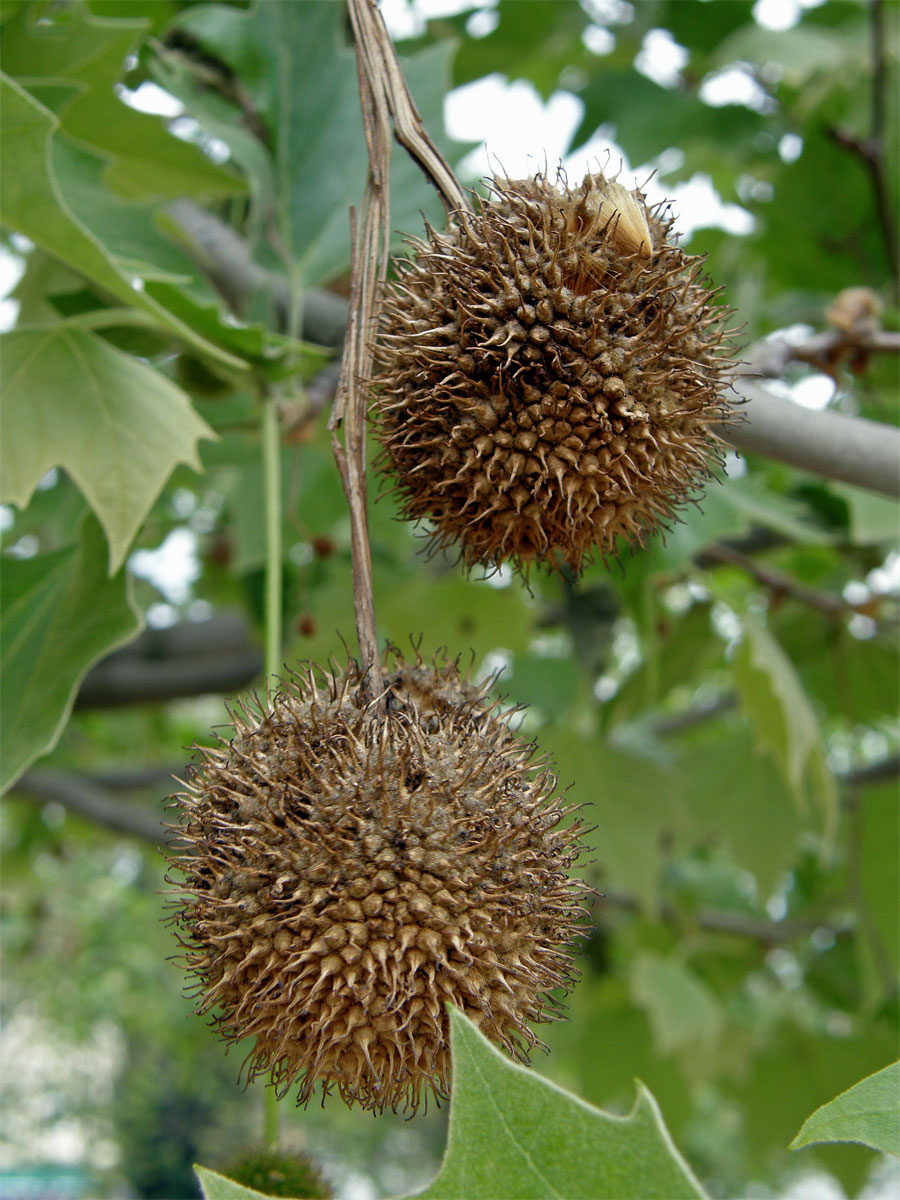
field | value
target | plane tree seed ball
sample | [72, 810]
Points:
[548, 373]
[348, 867]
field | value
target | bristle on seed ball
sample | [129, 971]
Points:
[349, 866]
[548, 370]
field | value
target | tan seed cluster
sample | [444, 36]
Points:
[350, 867]
[548, 372]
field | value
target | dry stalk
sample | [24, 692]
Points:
[387, 108]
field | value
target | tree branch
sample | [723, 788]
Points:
[771, 357]
[871, 150]
[225, 258]
[86, 799]
[849, 449]
[779, 582]
[192, 658]
[770, 933]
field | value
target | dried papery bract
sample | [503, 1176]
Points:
[548, 372]
[350, 867]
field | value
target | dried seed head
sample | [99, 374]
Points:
[350, 867]
[547, 374]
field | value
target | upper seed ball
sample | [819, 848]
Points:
[548, 370]
[350, 867]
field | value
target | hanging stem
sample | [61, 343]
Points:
[387, 109]
[271, 1118]
[271, 455]
[271, 461]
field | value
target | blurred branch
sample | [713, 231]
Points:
[852, 450]
[770, 933]
[779, 583]
[90, 795]
[77, 795]
[674, 723]
[132, 779]
[770, 358]
[871, 150]
[225, 258]
[875, 772]
[192, 658]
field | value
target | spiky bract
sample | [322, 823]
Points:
[350, 866]
[548, 372]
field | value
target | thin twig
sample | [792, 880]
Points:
[870, 150]
[369, 243]
[769, 359]
[769, 933]
[780, 583]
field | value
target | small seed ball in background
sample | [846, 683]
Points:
[349, 866]
[548, 372]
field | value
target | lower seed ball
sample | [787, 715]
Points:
[548, 372]
[349, 866]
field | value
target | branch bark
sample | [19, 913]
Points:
[849, 449]
[225, 258]
[87, 799]
[192, 658]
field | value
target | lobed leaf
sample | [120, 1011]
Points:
[114, 424]
[514, 1134]
[32, 204]
[86, 54]
[300, 74]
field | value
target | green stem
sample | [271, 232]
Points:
[271, 450]
[271, 461]
[271, 1119]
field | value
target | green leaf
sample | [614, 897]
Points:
[761, 505]
[612, 782]
[536, 41]
[759, 825]
[682, 1009]
[127, 230]
[869, 1113]
[606, 1042]
[649, 118]
[117, 426]
[61, 612]
[786, 1076]
[514, 1134]
[32, 204]
[873, 519]
[299, 71]
[783, 721]
[879, 886]
[688, 647]
[217, 1187]
[87, 54]
[801, 51]
[253, 342]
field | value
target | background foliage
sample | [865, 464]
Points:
[730, 718]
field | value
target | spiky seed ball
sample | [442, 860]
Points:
[275, 1173]
[350, 866]
[548, 370]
